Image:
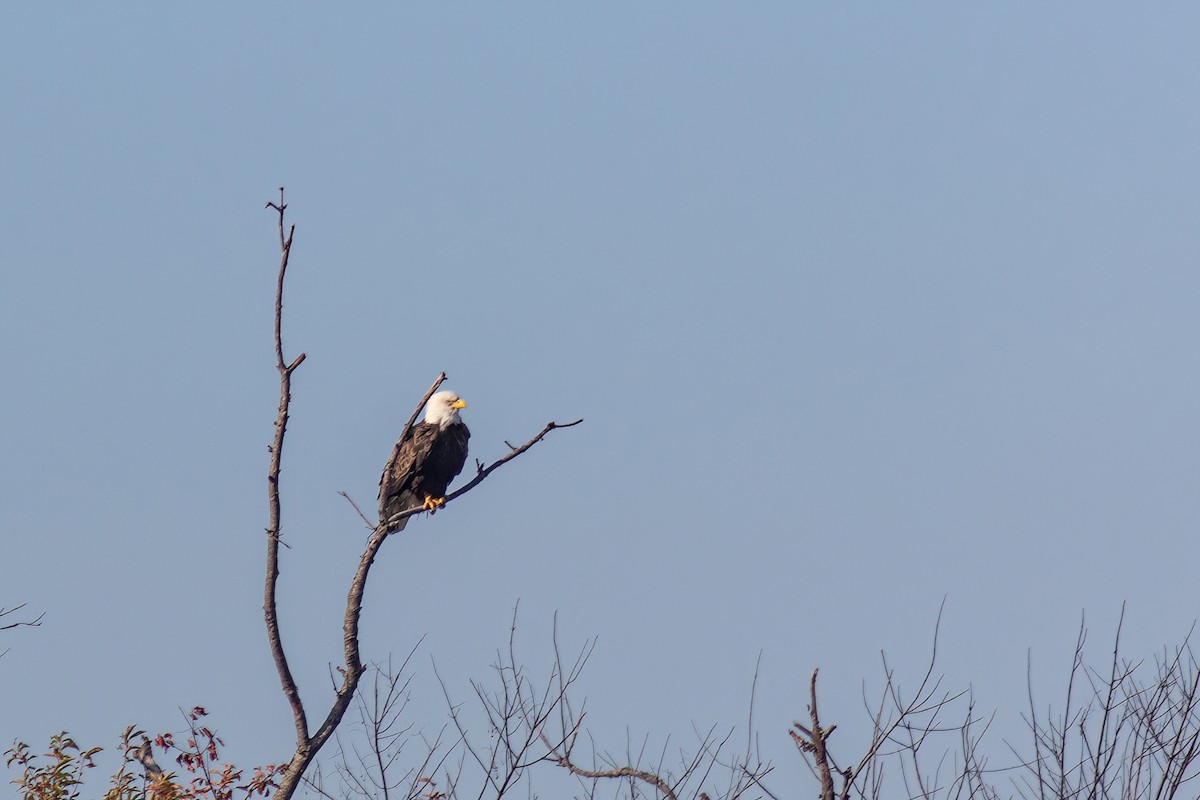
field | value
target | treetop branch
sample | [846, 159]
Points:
[270, 612]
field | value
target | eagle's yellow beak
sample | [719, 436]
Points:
[459, 403]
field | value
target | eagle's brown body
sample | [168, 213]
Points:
[421, 467]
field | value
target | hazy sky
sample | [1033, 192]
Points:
[865, 306]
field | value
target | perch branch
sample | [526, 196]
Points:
[482, 471]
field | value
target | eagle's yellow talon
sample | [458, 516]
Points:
[433, 503]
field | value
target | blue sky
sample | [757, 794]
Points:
[865, 307]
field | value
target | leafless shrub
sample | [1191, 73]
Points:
[1118, 735]
[514, 730]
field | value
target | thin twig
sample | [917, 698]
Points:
[370, 525]
[34, 623]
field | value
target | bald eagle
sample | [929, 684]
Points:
[424, 463]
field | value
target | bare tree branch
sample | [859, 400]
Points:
[34, 623]
[1131, 738]
[276, 449]
[813, 741]
[620, 772]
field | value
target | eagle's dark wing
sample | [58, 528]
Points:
[421, 468]
[396, 483]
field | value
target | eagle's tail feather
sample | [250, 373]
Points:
[395, 505]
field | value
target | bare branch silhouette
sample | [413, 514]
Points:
[276, 449]
[33, 623]
[1126, 737]
[352, 669]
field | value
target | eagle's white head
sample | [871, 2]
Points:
[442, 409]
